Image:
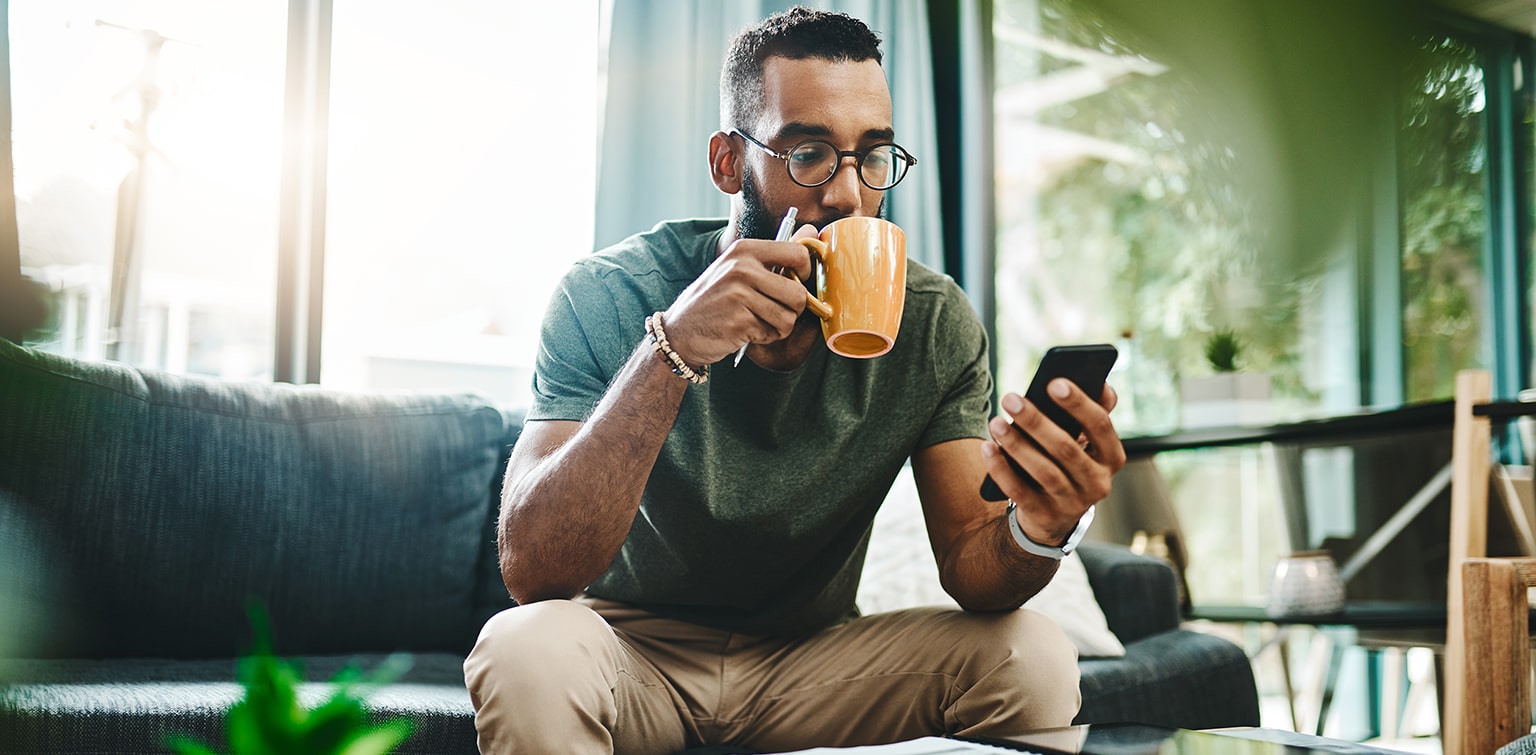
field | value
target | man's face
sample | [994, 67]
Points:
[847, 104]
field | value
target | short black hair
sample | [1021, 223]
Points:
[797, 33]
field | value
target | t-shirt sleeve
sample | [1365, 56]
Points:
[961, 371]
[581, 346]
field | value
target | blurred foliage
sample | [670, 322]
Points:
[1442, 174]
[271, 720]
[1173, 235]
[1254, 159]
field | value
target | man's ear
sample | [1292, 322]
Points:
[724, 163]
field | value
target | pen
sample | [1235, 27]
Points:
[786, 229]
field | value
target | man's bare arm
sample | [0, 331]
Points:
[980, 564]
[572, 488]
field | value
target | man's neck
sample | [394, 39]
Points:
[728, 237]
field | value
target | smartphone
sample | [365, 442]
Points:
[1087, 365]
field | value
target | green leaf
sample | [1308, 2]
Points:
[270, 716]
[390, 670]
[182, 745]
[1221, 350]
[383, 739]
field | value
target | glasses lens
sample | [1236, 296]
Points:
[812, 163]
[883, 166]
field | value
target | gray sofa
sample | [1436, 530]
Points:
[139, 511]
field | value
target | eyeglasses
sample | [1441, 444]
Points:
[813, 162]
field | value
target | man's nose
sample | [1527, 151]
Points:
[843, 193]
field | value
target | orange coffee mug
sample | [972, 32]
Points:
[861, 284]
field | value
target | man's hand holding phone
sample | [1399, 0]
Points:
[1057, 456]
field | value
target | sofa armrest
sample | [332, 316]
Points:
[1179, 679]
[1138, 594]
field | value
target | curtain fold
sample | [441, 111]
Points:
[663, 102]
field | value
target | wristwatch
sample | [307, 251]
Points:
[1049, 551]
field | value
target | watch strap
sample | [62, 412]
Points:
[1049, 551]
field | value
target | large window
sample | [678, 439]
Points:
[1160, 192]
[1158, 208]
[147, 145]
[462, 182]
[459, 153]
[1165, 205]
[1136, 208]
[1444, 179]
[1119, 220]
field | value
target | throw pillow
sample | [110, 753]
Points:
[1069, 601]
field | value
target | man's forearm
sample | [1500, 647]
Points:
[988, 571]
[564, 519]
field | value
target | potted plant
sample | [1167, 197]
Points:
[1221, 350]
[271, 719]
[1229, 396]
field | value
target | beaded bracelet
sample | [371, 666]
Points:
[658, 338]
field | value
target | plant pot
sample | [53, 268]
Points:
[1224, 399]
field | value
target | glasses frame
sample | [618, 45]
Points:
[857, 155]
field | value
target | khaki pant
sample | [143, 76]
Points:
[592, 676]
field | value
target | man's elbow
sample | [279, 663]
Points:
[987, 593]
[528, 584]
[986, 603]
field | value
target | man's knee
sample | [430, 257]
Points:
[1029, 674]
[1044, 651]
[542, 641]
[553, 676]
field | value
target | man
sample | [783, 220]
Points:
[685, 552]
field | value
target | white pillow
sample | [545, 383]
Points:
[899, 572]
[1069, 601]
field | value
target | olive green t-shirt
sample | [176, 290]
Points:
[757, 515]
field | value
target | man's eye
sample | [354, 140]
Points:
[810, 154]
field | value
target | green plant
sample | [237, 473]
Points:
[1221, 350]
[270, 719]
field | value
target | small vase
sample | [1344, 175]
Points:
[1305, 584]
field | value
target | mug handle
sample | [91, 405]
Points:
[818, 249]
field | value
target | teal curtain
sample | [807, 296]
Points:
[663, 102]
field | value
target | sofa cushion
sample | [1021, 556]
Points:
[133, 705]
[1177, 678]
[356, 518]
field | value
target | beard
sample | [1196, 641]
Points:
[759, 222]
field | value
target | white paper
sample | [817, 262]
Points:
[924, 746]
